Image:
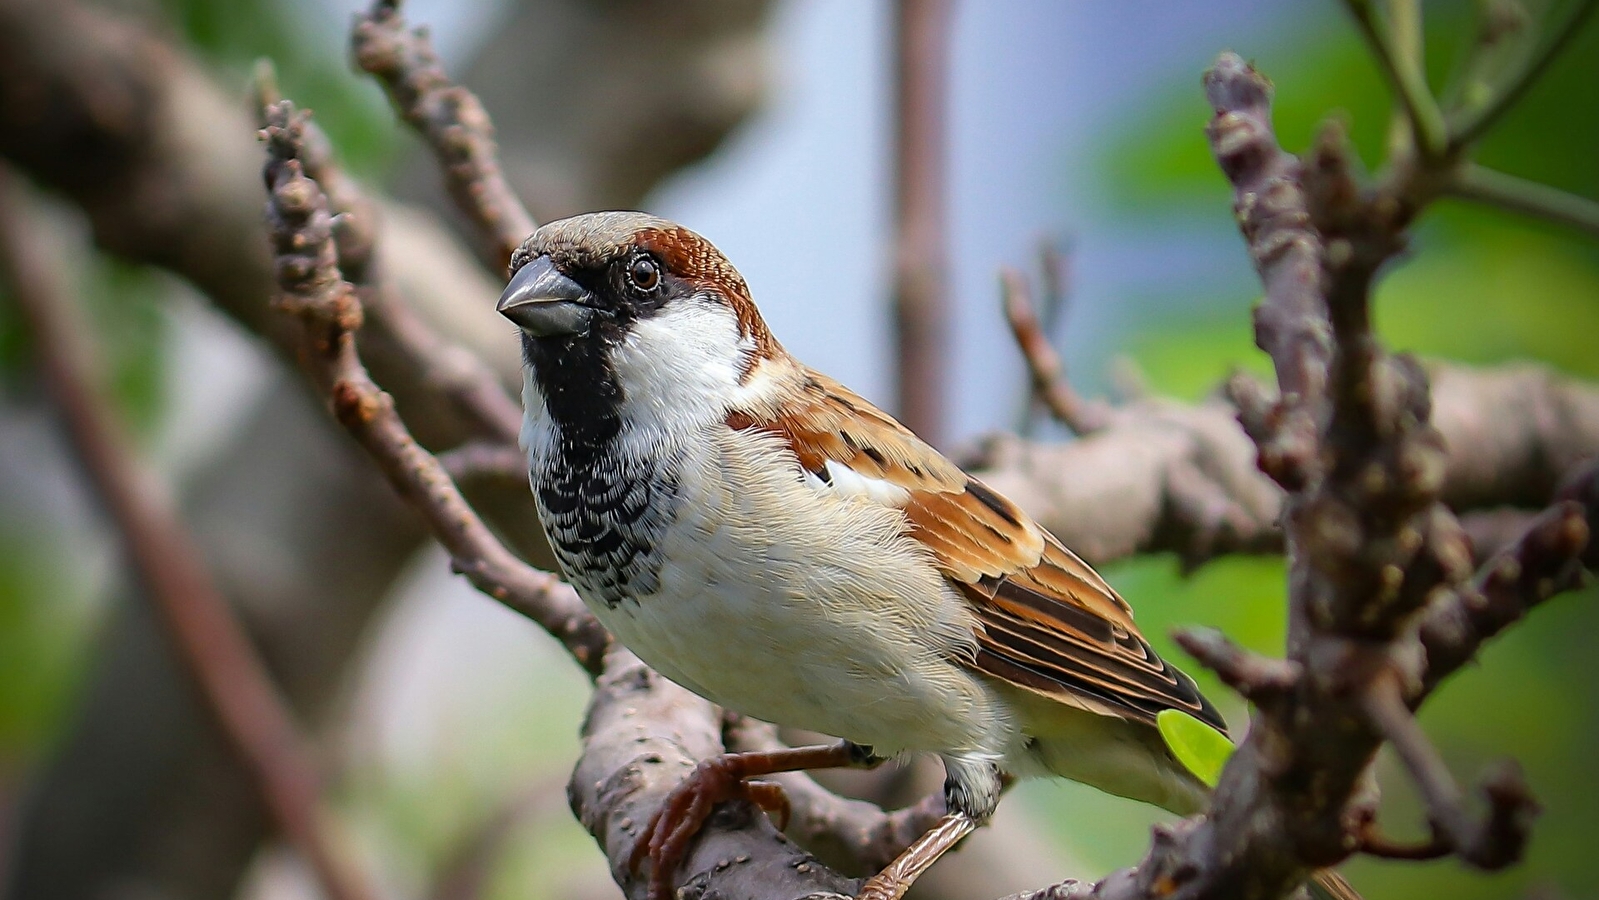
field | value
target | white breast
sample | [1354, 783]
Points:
[799, 603]
[808, 610]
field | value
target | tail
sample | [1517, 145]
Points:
[1329, 885]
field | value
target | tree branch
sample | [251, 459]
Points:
[1492, 844]
[1520, 195]
[1405, 73]
[1473, 122]
[313, 291]
[450, 119]
[1044, 368]
[1369, 543]
[227, 672]
[921, 315]
[1161, 477]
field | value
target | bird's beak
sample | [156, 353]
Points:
[545, 303]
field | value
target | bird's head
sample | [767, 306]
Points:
[614, 305]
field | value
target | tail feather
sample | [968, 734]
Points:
[1329, 885]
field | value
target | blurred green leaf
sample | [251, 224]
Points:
[1201, 749]
[311, 71]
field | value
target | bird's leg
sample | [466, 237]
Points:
[718, 780]
[897, 876]
[972, 786]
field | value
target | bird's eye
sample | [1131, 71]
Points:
[644, 272]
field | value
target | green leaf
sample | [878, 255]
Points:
[1200, 748]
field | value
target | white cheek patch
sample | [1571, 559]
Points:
[680, 365]
[848, 483]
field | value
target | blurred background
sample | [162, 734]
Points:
[766, 126]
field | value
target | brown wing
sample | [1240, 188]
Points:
[1048, 622]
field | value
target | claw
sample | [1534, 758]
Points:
[666, 838]
[664, 841]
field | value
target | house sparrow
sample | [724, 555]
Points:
[765, 537]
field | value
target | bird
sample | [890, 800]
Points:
[767, 538]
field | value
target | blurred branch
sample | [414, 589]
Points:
[921, 239]
[1163, 477]
[198, 620]
[1494, 843]
[450, 119]
[467, 871]
[1474, 120]
[1397, 47]
[497, 462]
[1044, 367]
[1530, 198]
[313, 290]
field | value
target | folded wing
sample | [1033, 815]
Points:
[1047, 622]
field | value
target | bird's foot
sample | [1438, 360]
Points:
[719, 779]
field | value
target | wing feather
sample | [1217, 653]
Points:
[1047, 622]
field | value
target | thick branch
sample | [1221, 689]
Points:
[1164, 477]
[641, 736]
[208, 639]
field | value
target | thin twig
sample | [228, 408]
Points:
[1490, 845]
[230, 677]
[451, 119]
[921, 313]
[1530, 198]
[1473, 123]
[1374, 844]
[1044, 368]
[1406, 77]
[1259, 678]
[313, 290]
[478, 460]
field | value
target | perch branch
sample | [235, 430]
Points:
[228, 673]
